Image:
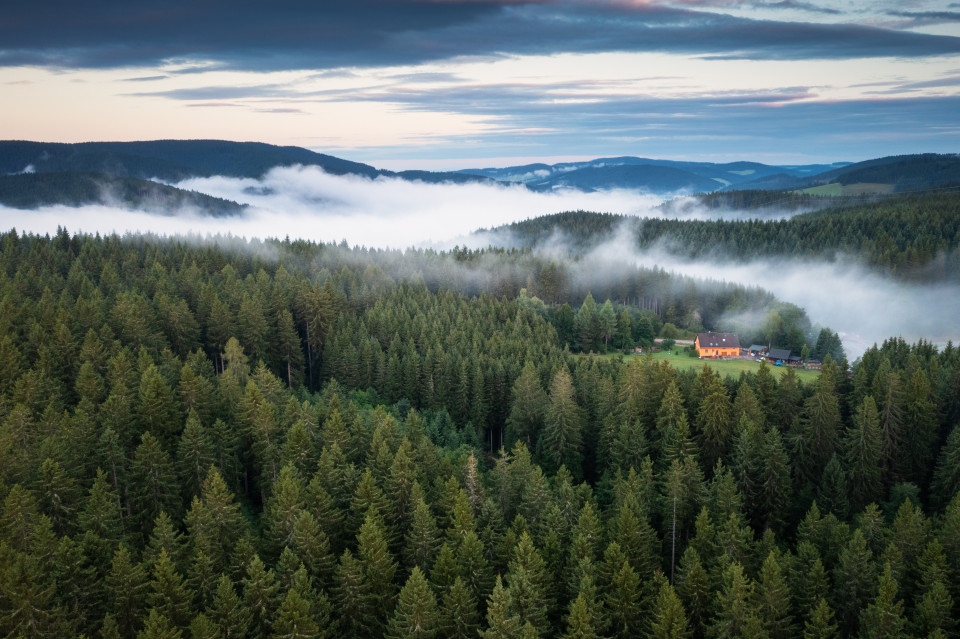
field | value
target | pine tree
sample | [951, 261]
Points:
[502, 623]
[458, 618]
[229, 612]
[101, 514]
[715, 425]
[560, 443]
[832, 489]
[194, 455]
[357, 620]
[126, 589]
[735, 609]
[312, 546]
[946, 476]
[581, 622]
[526, 408]
[158, 626]
[153, 481]
[416, 615]
[815, 440]
[774, 599]
[168, 594]
[294, 619]
[622, 603]
[202, 627]
[58, 496]
[862, 452]
[855, 579]
[378, 568]
[669, 618]
[282, 509]
[884, 617]
[527, 579]
[422, 538]
[819, 626]
[156, 410]
[260, 597]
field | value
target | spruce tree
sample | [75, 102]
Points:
[884, 616]
[415, 616]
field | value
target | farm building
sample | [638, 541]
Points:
[756, 350]
[778, 355]
[717, 345]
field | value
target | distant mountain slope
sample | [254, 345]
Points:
[658, 179]
[33, 190]
[176, 160]
[901, 172]
[659, 176]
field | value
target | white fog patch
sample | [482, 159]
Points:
[688, 207]
[862, 306]
[389, 212]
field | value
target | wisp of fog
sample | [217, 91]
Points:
[307, 203]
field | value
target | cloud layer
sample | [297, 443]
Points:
[295, 34]
[307, 203]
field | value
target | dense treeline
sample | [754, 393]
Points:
[912, 236]
[287, 440]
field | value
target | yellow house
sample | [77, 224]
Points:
[717, 345]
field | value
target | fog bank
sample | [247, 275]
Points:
[862, 306]
[304, 202]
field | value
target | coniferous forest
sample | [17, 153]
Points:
[230, 438]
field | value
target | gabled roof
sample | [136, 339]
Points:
[718, 340]
[778, 353]
[756, 347]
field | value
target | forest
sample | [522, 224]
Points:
[241, 438]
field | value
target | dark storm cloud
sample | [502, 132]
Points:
[932, 16]
[250, 34]
[802, 6]
[148, 78]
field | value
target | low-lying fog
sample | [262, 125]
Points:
[308, 203]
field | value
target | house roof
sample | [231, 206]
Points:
[756, 347]
[778, 353]
[718, 340]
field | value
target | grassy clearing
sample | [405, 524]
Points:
[681, 361]
[860, 188]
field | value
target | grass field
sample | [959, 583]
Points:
[859, 188]
[681, 361]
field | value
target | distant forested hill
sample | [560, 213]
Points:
[33, 190]
[910, 236]
[176, 160]
[901, 173]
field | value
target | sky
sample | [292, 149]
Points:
[447, 84]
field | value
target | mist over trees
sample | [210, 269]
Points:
[912, 237]
[224, 438]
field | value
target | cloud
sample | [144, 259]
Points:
[294, 34]
[306, 202]
[744, 126]
[928, 17]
